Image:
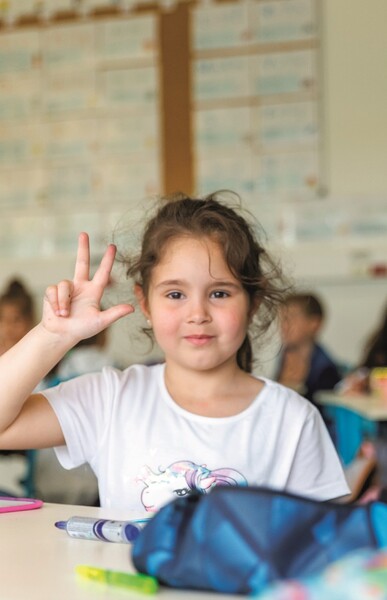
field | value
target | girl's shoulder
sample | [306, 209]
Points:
[280, 397]
[109, 382]
[141, 374]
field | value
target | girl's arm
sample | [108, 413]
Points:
[71, 312]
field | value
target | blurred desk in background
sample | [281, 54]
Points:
[355, 417]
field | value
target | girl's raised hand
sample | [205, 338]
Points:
[72, 308]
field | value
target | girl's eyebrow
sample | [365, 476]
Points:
[180, 282]
[227, 284]
[170, 282]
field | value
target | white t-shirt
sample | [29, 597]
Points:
[146, 450]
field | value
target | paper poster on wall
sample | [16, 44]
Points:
[290, 126]
[71, 185]
[224, 131]
[283, 72]
[70, 140]
[370, 223]
[128, 182]
[19, 52]
[69, 91]
[22, 237]
[135, 133]
[220, 26]
[129, 39]
[20, 96]
[338, 218]
[30, 232]
[291, 174]
[19, 143]
[276, 21]
[21, 188]
[232, 173]
[306, 222]
[7, 241]
[243, 94]
[68, 226]
[219, 78]
[128, 88]
[68, 46]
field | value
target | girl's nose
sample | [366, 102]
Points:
[198, 313]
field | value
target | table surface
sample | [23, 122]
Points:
[37, 560]
[369, 406]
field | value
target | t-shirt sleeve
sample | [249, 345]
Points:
[83, 407]
[316, 467]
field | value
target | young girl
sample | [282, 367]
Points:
[196, 421]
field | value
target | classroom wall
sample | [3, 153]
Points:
[354, 150]
[355, 96]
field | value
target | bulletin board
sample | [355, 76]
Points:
[79, 129]
[101, 110]
[256, 100]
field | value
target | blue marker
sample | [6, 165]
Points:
[87, 528]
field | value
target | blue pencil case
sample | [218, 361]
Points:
[241, 539]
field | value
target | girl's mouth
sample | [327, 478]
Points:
[198, 340]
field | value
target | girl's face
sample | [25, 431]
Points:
[198, 310]
[13, 325]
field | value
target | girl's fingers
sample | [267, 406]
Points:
[65, 291]
[102, 274]
[112, 314]
[59, 297]
[82, 264]
[51, 296]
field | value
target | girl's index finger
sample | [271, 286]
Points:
[82, 263]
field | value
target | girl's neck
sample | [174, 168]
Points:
[223, 392]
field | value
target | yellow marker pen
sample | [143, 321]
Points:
[132, 581]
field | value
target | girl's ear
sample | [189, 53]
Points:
[139, 293]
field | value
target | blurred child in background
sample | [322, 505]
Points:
[374, 355]
[304, 364]
[372, 449]
[17, 317]
[53, 483]
[16, 314]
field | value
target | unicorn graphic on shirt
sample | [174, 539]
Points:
[180, 479]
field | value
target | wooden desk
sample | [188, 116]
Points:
[37, 560]
[355, 417]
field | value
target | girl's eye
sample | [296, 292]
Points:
[175, 295]
[220, 294]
